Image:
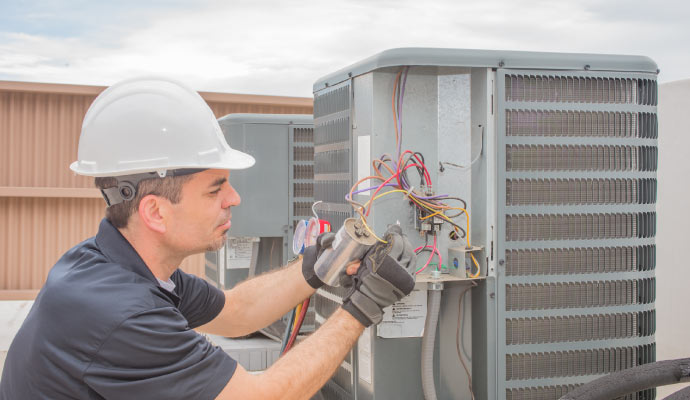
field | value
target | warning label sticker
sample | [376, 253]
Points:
[238, 251]
[405, 318]
[364, 355]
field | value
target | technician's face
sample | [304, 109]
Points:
[202, 217]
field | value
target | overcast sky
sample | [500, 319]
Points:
[281, 47]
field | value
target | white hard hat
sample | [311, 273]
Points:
[152, 125]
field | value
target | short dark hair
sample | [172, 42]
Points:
[169, 187]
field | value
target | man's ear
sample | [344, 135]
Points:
[152, 211]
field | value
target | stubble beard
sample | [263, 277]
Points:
[218, 243]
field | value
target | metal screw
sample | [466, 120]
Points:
[501, 63]
[492, 295]
[501, 262]
[587, 67]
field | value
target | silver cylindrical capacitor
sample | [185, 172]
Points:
[351, 242]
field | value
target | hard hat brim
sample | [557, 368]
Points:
[231, 160]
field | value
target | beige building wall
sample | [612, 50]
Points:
[44, 208]
[673, 232]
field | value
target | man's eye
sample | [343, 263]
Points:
[216, 191]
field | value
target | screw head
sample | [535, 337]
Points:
[501, 262]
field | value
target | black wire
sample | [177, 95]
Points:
[464, 203]
[403, 171]
[426, 243]
[420, 170]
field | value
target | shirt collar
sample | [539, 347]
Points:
[111, 242]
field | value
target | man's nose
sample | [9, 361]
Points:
[232, 198]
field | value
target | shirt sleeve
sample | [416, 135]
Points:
[153, 355]
[199, 301]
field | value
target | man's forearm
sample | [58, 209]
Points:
[257, 302]
[305, 368]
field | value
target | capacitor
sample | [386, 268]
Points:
[351, 243]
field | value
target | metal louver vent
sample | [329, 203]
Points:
[304, 135]
[648, 126]
[539, 393]
[303, 171]
[336, 218]
[580, 226]
[575, 363]
[571, 123]
[647, 92]
[572, 89]
[578, 287]
[332, 174]
[584, 260]
[332, 102]
[331, 191]
[335, 161]
[301, 208]
[579, 328]
[303, 189]
[543, 296]
[580, 158]
[303, 153]
[580, 191]
[333, 131]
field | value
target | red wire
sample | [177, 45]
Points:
[298, 326]
[384, 184]
[434, 250]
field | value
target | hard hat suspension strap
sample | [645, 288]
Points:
[127, 185]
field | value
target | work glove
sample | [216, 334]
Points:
[311, 254]
[384, 277]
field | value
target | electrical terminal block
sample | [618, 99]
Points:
[424, 224]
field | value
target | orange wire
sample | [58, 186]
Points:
[352, 189]
[395, 115]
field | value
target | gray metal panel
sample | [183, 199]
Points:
[437, 123]
[488, 58]
[263, 187]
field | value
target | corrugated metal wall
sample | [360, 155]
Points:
[44, 208]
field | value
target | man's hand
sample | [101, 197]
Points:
[385, 276]
[311, 254]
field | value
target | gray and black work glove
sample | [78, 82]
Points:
[311, 254]
[384, 277]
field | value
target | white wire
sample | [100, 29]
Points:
[313, 210]
[481, 150]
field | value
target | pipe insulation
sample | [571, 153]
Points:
[428, 344]
[631, 380]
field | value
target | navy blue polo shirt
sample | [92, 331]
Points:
[103, 328]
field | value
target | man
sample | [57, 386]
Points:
[115, 318]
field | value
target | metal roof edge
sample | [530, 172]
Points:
[416, 56]
[88, 90]
[276, 119]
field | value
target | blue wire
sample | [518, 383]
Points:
[288, 330]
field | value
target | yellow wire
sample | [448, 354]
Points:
[298, 309]
[435, 212]
[477, 265]
[364, 221]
